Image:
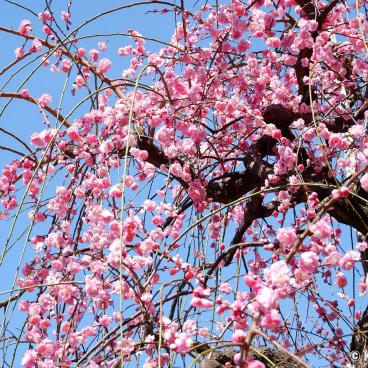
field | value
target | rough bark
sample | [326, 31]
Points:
[279, 359]
[359, 343]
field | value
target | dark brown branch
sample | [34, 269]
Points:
[303, 71]
[232, 185]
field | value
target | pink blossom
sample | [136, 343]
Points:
[24, 93]
[19, 52]
[123, 51]
[93, 286]
[189, 326]
[147, 246]
[253, 281]
[333, 259]
[94, 54]
[25, 27]
[139, 154]
[204, 332]
[271, 320]
[154, 59]
[45, 100]
[105, 321]
[266, 298]
[165, 135]
[287, 237]
[225, 288]
[337, 141]
[321, 229]
[81, 52]
[36, 45]
[309, 262]
[149, 205]
[46, 30]
[364, 182]
[66, 64]
[273, 42]
[347, 262]
[29, 359]
[278, 274]
[116, 191]
[238, 337]
[361, 246]
[42, 138]
[183, 343]
[104, 65]
[199, 298]
[44, 16]
[196, 191]
[73, 134]
[106, 216]
[65, 16]
[201, 303]
[341, 281]
[286, 160]
[102, 46]
[79, 82]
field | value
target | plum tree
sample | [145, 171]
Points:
[199, 203]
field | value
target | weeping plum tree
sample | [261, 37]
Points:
[204, 203]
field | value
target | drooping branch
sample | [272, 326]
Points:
[56, 114]
[302, 71]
